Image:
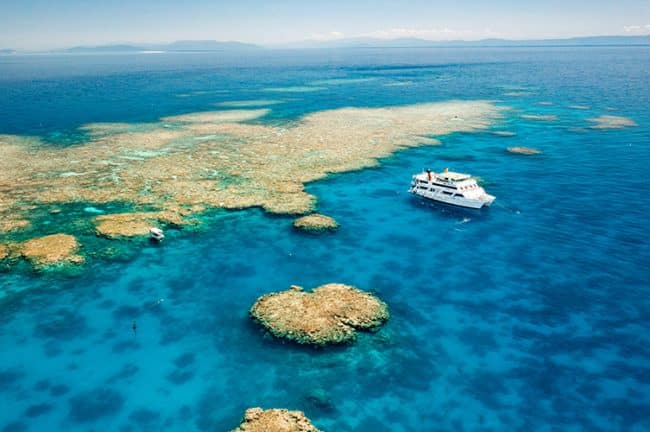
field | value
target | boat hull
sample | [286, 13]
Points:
[457, 202]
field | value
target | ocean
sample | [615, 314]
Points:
[533, 314]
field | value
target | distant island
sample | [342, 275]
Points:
[214, 45]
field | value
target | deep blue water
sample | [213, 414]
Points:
[532, 315]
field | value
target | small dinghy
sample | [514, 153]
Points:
[156, 234]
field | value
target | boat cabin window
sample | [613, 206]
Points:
[445, 186]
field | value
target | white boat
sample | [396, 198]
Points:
[450, 188]
[156, 234]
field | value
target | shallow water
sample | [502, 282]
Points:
[531, 315]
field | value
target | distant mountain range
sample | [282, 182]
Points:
[422, 43]
[184, 45]
[213, 45]
[102, 48]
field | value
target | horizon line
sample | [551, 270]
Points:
[143, 45]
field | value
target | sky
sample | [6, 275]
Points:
[46, 24]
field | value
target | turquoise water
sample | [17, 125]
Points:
[532, 315]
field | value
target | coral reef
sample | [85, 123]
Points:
[315, 223]
[134, 224]
[188, 163]
[275, 420]
[330, 314]
[611, 122]
[11, 224]
[523, 151]
[4, 252]
[52, 249]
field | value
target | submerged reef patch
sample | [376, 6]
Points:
[217, 116]
[135, 224]
[186, 164]
[518, 93]
[540, 117]
[523, 151]
[92, 405]
[339, 81]
[611, 122]
[506, 134]
[294, 89]
[315, 223]
[248, 103]
[51, 250]
[330, 314]
[275, 420]
[9, 225]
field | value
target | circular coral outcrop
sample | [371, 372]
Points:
[523, 151]
[330, 314]
[275, 420]
[315, 223]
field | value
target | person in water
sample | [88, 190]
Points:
[134, 327]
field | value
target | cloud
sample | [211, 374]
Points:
[637, 29]
[441, 33]
[432, 34]
[333, 35]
